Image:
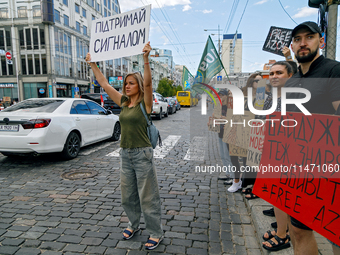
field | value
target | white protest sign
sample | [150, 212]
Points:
[121, 35]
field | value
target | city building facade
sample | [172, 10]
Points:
[232, 53]
[48, 41]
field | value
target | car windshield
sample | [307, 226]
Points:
[35, 106]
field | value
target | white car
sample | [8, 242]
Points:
[44, 125]
[160, 106]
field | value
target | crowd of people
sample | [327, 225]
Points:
[140, 192]
[325, 99]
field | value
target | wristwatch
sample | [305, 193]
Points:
[289, 57]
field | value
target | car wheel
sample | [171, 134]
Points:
[72, 146]
[160, 114]
[166, 113]
[116, 132]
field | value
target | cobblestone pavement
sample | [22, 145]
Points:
[43, 213]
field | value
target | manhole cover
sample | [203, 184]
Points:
[79, 175]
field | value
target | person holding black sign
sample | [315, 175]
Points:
[138, 178]
[325, 99]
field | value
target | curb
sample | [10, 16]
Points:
[262, 223]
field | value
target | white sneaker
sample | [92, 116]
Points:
[235, 187]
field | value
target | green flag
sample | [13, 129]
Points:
[187, 79]
[210, 64]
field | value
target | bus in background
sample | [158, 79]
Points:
[185, 98]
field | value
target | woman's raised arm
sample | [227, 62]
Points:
[111, 91]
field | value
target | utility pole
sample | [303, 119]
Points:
[332, 29]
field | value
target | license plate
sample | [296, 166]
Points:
[9, 128]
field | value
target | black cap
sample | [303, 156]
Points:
[312, 26]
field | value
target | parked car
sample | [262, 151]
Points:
[160, 106]
[171, 105]
[178, 106]
[44, 125]
[104, 100]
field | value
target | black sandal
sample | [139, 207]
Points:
[129, 233]
[269, 232]
[280, 245]
[247, 191]
[252, 196]
[154, 243]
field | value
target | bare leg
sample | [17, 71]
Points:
[305, 242]
[282, 224]
[336, 250]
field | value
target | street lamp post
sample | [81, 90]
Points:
[219, 42]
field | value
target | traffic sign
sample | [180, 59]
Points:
[76, 89]
[9, 62]
[219, 78]
[8, 55]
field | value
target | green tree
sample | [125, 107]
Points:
[165, 87]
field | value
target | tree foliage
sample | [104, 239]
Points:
[165, 87]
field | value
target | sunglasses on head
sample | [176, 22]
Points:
[256, 80]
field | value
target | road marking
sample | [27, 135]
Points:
[158, 152]
[114, 153]
[86, 152]
[195, 152]
[167, 145]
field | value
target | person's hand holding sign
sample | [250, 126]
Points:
[286, 53]
[146, 50]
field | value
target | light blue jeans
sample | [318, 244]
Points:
[139, 189]
[225, 157]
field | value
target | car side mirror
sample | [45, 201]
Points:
[108, 112]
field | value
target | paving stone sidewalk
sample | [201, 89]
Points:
[42, 213]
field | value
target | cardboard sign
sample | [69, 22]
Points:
[299, 170]
[237, 151]
[277, 38]
[256, 138]
[236, 131]
[121, 35]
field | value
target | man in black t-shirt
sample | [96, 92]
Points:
[321, 77]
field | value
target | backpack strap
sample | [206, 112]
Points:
[148, 121]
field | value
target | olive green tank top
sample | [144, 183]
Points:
[133, 126]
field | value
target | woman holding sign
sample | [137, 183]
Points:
[279, 73]
[138, 179]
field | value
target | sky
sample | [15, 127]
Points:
[178, 25]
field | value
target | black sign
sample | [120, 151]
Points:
[277, 38]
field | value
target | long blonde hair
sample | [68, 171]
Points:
[138, 77]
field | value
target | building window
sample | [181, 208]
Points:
[91, 3]
[98, 7]
[36, 11]
[22, 12]
[84, 13]
[3, 13]
[109, 4]
[105, 13]
[77, 26]
[84, 30]
[57, 16]
[116, 9]
[77, 8]
[93, 17]
[66, 20]
[65, 2]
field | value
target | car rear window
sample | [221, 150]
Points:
[183, 94]
[35, 106]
